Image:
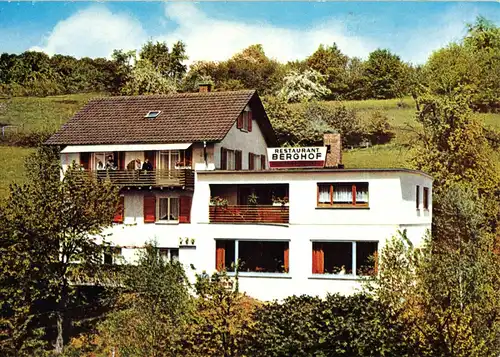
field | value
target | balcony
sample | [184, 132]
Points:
[249, 214]
[157, 178]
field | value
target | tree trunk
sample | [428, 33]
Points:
[59, 340]
[60, 321]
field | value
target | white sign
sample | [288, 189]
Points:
[296, 157]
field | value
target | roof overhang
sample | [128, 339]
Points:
[126, 147]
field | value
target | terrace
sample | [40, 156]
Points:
[266, 204]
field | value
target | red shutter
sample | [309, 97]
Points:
[220, 255]
[84, 160]
[286, 259]
[149, 209]
[318, 259]
[119, 211]
[238, 158]
[263, 162]
[239, 122]
[249, 121]
[185, 209]
[250, 161]
[223, 159]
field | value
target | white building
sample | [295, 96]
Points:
[208, 198]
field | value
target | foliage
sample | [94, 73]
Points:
[445, 292]
[153, 308]
[378, 129]
[298, 87]
[145, 79]
[169, 63]
[75, 210]
[336, 326]
[331, 63]
[384, 72]
[223, 318]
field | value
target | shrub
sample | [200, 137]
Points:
[377, 128]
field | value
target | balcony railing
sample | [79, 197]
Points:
[177, 177]
[249, 214]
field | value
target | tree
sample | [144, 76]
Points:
[60, 223]
[144, 79]
[383, 71]
[332, 63]
[222, 320]
[169, 63]
[298, 87]
[154, 308]
[445, 292]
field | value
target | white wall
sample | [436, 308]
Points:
[247, 142]
[391, 208]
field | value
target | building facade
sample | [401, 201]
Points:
[195, 179]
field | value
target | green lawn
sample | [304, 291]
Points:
[49, 113]
[12, 164]
[380, 156]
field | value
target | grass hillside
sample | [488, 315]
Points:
[28, 114]
[49, 113]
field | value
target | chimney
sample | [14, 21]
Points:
[205, 87]
[333, 145]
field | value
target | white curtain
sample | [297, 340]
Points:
[361, 194]
[231, 160]
[342, 194]
[324, 194]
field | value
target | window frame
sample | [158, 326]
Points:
[114, 252]
[286, 256]
[168, 255]
[167, 221]
[352, 204]
[354, 267]
[426, 198]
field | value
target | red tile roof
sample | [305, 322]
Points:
[187, 117]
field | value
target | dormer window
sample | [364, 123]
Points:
[152, 114]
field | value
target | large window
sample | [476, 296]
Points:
[230, 159]
[344, 258]
[253, 256]
[105, 161]
[343, 194]
[168, 209]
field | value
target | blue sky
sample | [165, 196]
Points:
[216, 30]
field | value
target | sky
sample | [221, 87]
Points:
[217, 30]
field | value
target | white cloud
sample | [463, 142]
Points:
[212, 39]
[94, 32]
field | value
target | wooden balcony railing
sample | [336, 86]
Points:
[177, 177]
[249, 214]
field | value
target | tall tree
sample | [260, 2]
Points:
[383, 71]
[169, 63]
[332, 63]
[60, 221]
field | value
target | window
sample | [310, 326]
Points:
[343, 194]
[254, 256]
[168, 209]
[104, 161]
[112, 255]
[229, 159]
[417, 197]
[344, 258]
[152, 114]
[426, 197]
[245, 121]
[169, 254]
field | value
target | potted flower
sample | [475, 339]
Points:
[218, 201]
[280, 201]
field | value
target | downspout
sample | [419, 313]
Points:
[205, 154]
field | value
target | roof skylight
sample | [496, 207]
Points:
[152, 114]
